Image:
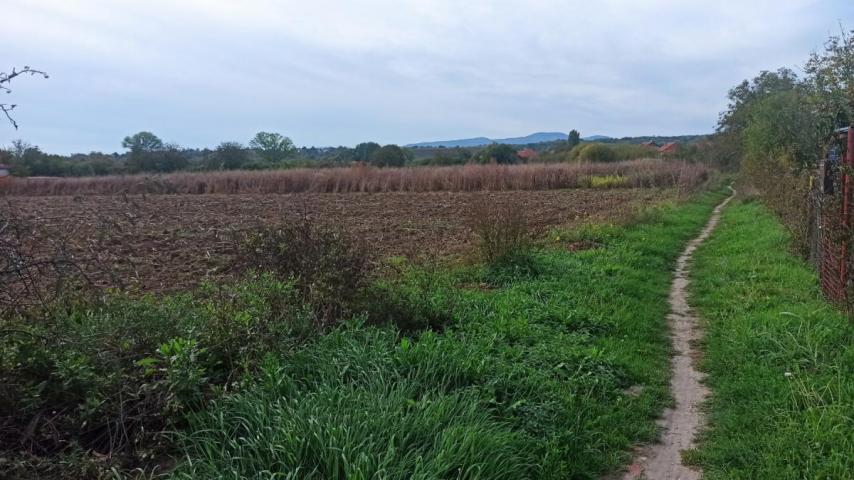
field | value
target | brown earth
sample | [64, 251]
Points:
[169, 242]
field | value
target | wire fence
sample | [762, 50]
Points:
[830, 237]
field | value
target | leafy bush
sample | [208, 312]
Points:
[593, 152]
[110, 377]
[327, 266]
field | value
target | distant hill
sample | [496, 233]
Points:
[539, 137]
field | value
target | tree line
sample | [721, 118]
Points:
[778, 125]
[145, 152]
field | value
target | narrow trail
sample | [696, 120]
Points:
[663, 460]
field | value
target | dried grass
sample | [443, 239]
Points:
[467, 178]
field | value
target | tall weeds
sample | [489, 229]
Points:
[637, 173]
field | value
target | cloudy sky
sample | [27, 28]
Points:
[198, 72]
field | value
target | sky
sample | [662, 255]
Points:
[325, 73]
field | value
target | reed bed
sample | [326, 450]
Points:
[466, 178]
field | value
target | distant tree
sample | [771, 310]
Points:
[171, 159]
[363, 151]
[229, 156]
[5, 80]
[145, 152]
[574, 138]
[142, 142]
[388, 156]
[273, 147]
[18, 148]
[498, 153]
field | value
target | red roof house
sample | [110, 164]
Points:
[671, 147]
[528, 155]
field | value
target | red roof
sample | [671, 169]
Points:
[528, 154]
[669, 147]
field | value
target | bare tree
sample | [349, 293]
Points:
[5, 79]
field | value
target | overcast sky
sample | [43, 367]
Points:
[198, 72]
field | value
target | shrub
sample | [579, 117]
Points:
[498, 153]
[328, 267]
[109, 377]
[501, 230]
[504, 243]
[593, 152]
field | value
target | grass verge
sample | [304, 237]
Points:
[531, 379]
[779, 358]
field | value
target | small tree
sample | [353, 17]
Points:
[574, 138]
[273, 147]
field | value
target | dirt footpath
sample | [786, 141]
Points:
[663, 461]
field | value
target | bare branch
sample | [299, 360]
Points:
[6, 78]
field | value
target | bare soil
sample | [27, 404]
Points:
[157, 243]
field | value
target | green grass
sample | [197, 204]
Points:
[528, 378]
[780, 359]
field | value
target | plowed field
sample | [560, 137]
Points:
[169, 242]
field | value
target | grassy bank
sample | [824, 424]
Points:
[551, 366]
[780, 359]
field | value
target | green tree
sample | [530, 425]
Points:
[364, 151]
[498, 153]
[273, 147]
[831, 75]
[574, 138]
[389, 156]
[228, 156]
[783, 128]
[142, 142]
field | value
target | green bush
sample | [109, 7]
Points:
[110, 377]
[593, 152]
[328, 267]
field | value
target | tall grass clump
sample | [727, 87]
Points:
[466, 178]
[504, 242]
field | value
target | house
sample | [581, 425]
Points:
[669, 148]
[650, 144]
[528, 155]
[5, 171]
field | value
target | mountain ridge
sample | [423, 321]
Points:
[537, 137]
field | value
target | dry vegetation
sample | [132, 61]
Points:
[468, 178]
